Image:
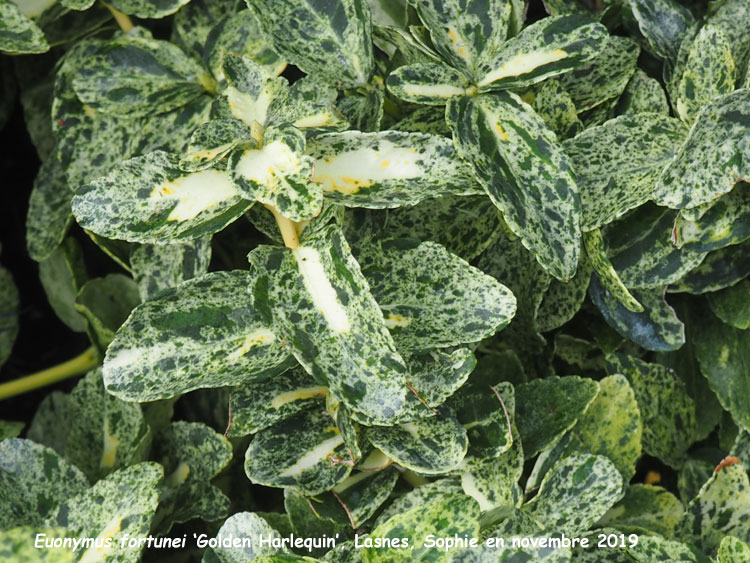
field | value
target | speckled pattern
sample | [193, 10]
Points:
[721, 268]
[663, 23]
[9, 304]
[555, 106]
[606, 273]
[17, 544]
[643, 94]
[148, 8]
[49, 214]
[725, 223]
[212, 141]
[427, 83]
[19, 34]
[243, 525]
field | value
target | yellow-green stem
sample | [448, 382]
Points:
[288, 228]
[80, 364]
[413, 479]
[122, 20]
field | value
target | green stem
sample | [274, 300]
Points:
[80, 364]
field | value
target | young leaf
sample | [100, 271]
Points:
[525, 172]
[18, 33]
[427, 83]
[326, 315]
[363, 109]
[201, 334]
[251, 90]
[212, 141]
[731, 549]
[546, 48]
[331, 40]
[310, 106]
[299, 452]
[49, 214]
[149, 199]
[387, 169]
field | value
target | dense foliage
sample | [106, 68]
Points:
[448, 268]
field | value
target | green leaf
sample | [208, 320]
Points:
[454, 515]
[62, 276]
[34, 480]
[646, 508]
[525, 172]
[17, 544]
[159, 267]
[643, 94]
[709, 72]
[137, 76]
[304, 522]
[331, 40]
[667, 411]
[121, 505]
[105, 303]
[731, 549]
[431, 298]
[468, 35]
[618, 163]
[427, 83]
[149, 199]
[387, 169]
[363, 108]
[18, 33]
[324, 311]
[9, 304]
[555, 106]
[148, 8]
[256, 406]
[192, 454]
[656, 328]
[201, 334]
[711, 161]
[299, 452]
[663, 23]
[606, 273]
[720, 509]
[562, 301]
[576, 492]
[732, 305]
[546, 48]
[605, 76]
[722, 351]
[279, 174]
[432, 446]
[10, 429]
[49, 214]
[547, 408]
[486, 411]
[243, 525]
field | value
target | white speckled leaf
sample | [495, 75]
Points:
[667, 411]
[363, 108]
[731, 549]
[243, 525]
[137, 76]
[204, 333]
[212, 141]
[720, 509]
[711, 161]
[732, 17]
[9, 304]
[647, 508]
[149, 199]
[430, 298]
[562, 301]
[555, 106]
[122, 504]
[148, 8]
[576, 492]
[388, 169]
[18, 33]
[299, 452]
[643, 94]
[720, 269]
[17, 544]
[251, 89]
[618, 163]
[606, 273]
[34, 481]
[330, 39]
[193, 23]
[310, 105]
[525, 172]
[49, 214]
[323, 310]
[548, 47]
[663, 23]
[427, 83]
[486, 412]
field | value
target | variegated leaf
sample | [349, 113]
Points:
[17, 544]
[467, 34]
[656, 328]
[62, 275]
[576, 492]
[724, 354]
[192, 454]
[49, 214]
[193, 23]
[363, 108]
[667, 411]
[562, 301]
[663, 23]
[605, 76]
[278, 174]
[310, 105]
[331, 40]
[547, 408]
[302, 520]
[206, 332]
[34, 481]
[251, 91]
[240, 34]
[731, 549]
[243, 525]
[427, 83]
[9, 304]
[727, 222]
[646, 508]
[323, 310]
[18, 33]
[454, 515]
[149, 199]
[256, 406]
[148, 8]
[617, 164]
[546, 48]
[525, 172]
[606, 273]
[137, 76]
[388, 169]
[486, 411]
[720, 509]
[643, 94]
[299, 452]
[159, 267]
[720, 269]
[212, 141]
[711, 161]
[555, 106]
[119, 507]
[731, 17]
[709, 72]
[431, 298]
[732, 305]
[420, 497]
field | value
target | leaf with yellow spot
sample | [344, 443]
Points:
[427, 83]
